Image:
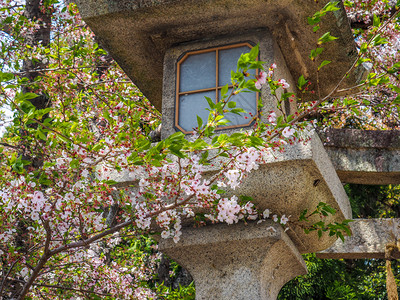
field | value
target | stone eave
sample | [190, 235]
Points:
[138, 33]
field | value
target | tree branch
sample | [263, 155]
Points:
[45, 257]
[10, 146]
[65, 288]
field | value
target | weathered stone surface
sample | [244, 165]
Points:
[138, 33]
[297, 179]
[364, 156]
[239, 261]
[368, 240]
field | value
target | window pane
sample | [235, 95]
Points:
[191, 106]
[247, 101]
[198, 72]
[228, 61]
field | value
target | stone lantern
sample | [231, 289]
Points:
[177, 52]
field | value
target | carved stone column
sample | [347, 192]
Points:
[238, 261]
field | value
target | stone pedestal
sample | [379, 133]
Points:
[237, 261]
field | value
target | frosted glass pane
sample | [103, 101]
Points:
[247, 101]
[228, 61]
[191, 106]
[198, 72]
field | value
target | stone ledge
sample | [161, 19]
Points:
[368, 240]
[364, 156]
[359, 138]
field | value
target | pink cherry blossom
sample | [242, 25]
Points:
[284, 219]
[233, 177]
[261, 79]
[272, 118]
[283, 83]
[288, 132]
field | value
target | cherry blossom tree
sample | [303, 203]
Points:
[66, 227]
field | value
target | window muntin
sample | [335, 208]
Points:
[203, 73]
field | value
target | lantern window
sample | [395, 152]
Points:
[203, 73]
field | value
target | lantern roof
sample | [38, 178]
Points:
[137, 34]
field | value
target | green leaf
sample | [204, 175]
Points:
[244, 199]
[42, 112]
[324, 63]
[364, 47]
[199, 122]
[40, 134]
[315, 53]
[396, 65]
[231, 104]
[28, 96]
[75, 164]
[62, 139]
[177, 136]
[256, 141]
[331, 6]
[176, 153]
[6, 76]
[45, 181]
[237, 135]
[97, 147]
[301, 82]
[238, 110]
[346, 229]
[27, 106]
[362, 60]
[348, 3]
[210, 102]
[329, 209]
[314, 20]
[366, 102]
[302, 216]
[224, 90]
[222, 137]
[204, 156]
[378, 40]
[253, 54]
[223, 122]
[326, 37]
[279, 121]
[376, 21]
